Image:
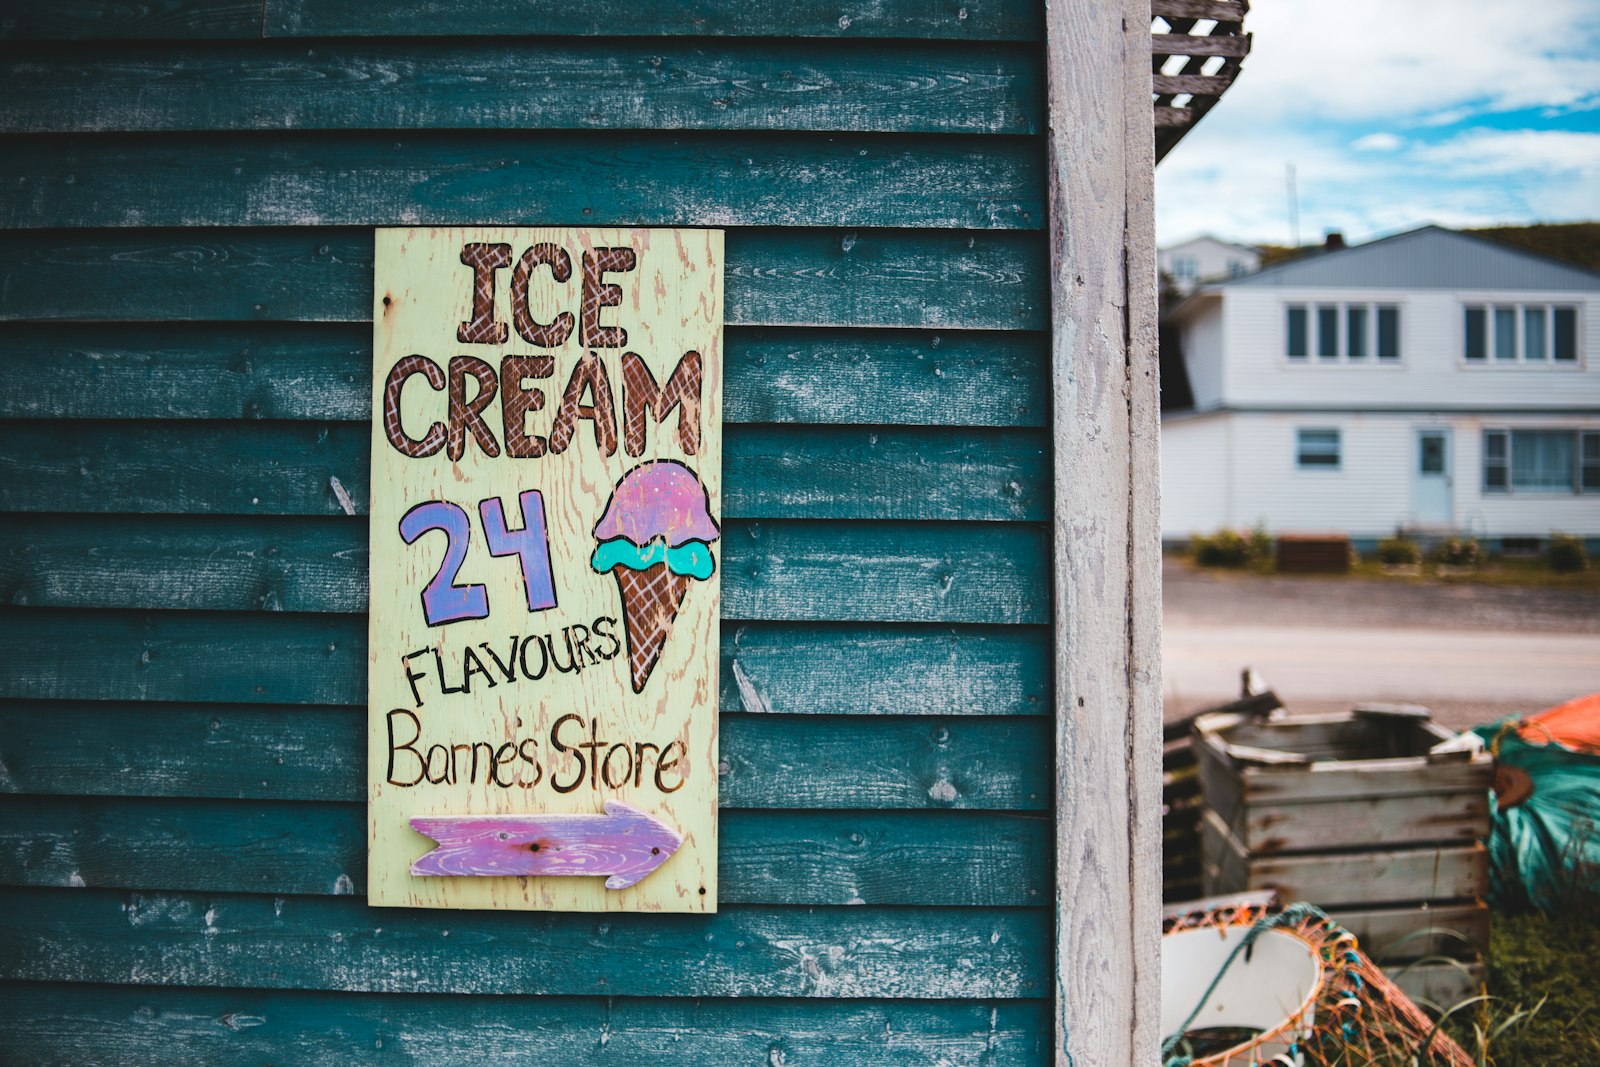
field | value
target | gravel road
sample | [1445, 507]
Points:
[1471, 653]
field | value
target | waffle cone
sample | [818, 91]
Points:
[650, 601]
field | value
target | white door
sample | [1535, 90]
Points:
[1433, 504]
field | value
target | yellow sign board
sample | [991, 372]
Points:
[545, 569]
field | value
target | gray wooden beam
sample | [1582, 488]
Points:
[1107, 550]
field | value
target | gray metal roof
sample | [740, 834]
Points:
[1429, 258]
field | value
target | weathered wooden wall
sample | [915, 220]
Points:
[187, 189]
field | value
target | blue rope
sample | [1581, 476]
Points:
[1289, 916]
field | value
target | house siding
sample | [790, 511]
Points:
[185, 287]
[1238, 469]
[1431, 373]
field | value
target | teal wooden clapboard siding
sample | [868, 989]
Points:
[189, 188]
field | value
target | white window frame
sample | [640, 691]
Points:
[1300, 452]
[1520, 358]
[1370, 333]
[1580, 464]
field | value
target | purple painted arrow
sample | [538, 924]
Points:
[624, 844]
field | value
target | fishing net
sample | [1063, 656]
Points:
[1544, 841]
[1350, 1013]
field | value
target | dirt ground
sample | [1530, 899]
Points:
[1471, 653]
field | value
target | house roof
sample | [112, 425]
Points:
[1428, 258]
[1208, 239]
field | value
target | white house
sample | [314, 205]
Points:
[1205, 259]
[1430, 381]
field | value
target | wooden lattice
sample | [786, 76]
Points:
[1184, 91]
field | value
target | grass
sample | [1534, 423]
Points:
[1497, 571]
[1529, 573]
[1539, 958]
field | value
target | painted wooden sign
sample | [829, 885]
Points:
[546, 516]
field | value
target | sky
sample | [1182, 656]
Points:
[1394, 114]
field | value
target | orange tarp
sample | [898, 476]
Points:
[1575, 724]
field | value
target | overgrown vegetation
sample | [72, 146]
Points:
[1398, 552]
[1232, 548]
[1455, 552]
[1575, 242]
[1567, 554]
[1548, 960]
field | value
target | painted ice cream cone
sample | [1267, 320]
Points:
[654, 538]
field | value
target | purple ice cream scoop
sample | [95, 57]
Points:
[662, 498]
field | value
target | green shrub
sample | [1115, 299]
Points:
[1260, 542]
[1567, 554]
[1225, 548]
[1455, 552]
[1398, 551]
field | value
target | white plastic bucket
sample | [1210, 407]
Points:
[1270, 988]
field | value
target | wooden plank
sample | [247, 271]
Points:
[1363, 823]
[1457, 931]
[289, 469]
[884, 87]
[1338, 780]
[960, 378]
[134, 371]
[61, 1024]
[878, 572]
[279, 752]
[1183, 44]
[811, 278]
[299, 371]
[968, 859]
[1373, 876]
[334, 943]
[783, 668]
[1441, 985]
[1193, 84]
[1175, 117]
[1217, 10]
[35, 20]
[971, 20]
[530, 178]
[1106, 577]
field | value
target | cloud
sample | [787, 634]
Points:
[1382, 141]
[1395, 114]
[1367, 58]
[1495, 153]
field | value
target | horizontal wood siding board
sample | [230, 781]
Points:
[969, 20]
[279, 658]
[841, 277]
[339, 943]
[289, 468]
[878, 572]
[955, 858]
[945, 19]
[321, 372]
[248, 1027]
[44, 20]
[844, 86]
[284, 752]
[522, 178]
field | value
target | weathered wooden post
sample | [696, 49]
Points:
[883, 788]
[1107, 563]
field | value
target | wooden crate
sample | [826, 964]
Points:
[1355, 813]
[1313, 553]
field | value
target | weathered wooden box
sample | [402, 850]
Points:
[1357, 814]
